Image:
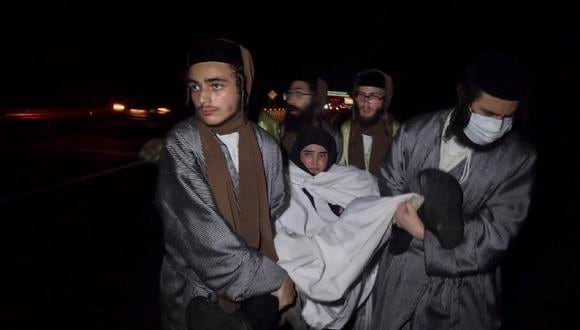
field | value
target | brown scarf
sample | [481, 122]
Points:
[251, 221]
[382, 139]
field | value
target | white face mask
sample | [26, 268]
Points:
[484, 130]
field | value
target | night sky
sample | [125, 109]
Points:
[79, 52]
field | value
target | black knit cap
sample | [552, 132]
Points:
[372, 78]
[215, 50]
[306, 74]
[502, 76]
[313, 135]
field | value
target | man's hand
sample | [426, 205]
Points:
[286, 293]
[406, 217]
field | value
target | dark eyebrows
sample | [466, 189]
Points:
[379, 95]
[312, 151]
[488, 112]
[215, 80]
[209, 80]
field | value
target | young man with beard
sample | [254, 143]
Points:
[220, 186]
[479, 143]
[368, 136]
[306, 97]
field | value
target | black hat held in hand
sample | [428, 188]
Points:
[441, 211]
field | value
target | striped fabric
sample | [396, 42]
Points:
[203, 257]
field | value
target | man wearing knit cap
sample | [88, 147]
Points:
[368, 136]
[479, 143]
[220, 187]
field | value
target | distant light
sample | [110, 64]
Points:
[138, 112]
[272, 94]
[326, 106]
[118, 106]
[348, 100]
[337, 93]
[21, 115]
[163, 111]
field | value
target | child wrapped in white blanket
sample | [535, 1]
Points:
[326, 238]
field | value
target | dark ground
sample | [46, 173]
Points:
[85, 254]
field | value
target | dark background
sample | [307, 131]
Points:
[70, 54]
[78, 51]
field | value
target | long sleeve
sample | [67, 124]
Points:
[279, 196]
[196, 236]
[393, 171]
[489, 229]
[487, 233]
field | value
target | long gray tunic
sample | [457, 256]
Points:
[429, 287]
[203, 256]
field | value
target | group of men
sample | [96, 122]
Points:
[222, 186]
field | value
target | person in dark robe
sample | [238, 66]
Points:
[220, 188]
[480, 143]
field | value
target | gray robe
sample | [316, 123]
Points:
[203, 256]
[428, 287]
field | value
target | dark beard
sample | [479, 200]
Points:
[296, 119]
[459, 121]
[367, 122]
[292, 111]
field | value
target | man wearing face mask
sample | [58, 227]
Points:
[480, 144]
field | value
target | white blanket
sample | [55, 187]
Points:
[326, 255]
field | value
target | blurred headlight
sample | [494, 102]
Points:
[138, 112]
[163, 111]
[118, 107]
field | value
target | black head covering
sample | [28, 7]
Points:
[313, 135]
[318, 86]
[214, 50]
[441, 211]
[225, 51]
[502, 76]
[305, 74]
[374, 78]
